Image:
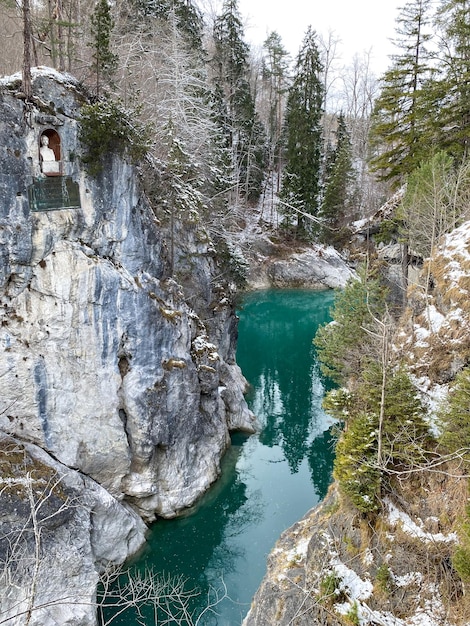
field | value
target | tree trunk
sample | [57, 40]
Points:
[27, 80]
[60, 35]
[405, 263]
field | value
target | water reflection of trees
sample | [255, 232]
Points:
[288, 386]
[320, 461]
[226, 554]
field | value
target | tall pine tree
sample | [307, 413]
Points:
[275, 84]
[450, 114]
[303, 137]
[104, 60]
[339, 190]
[244, 131]
[400, 119]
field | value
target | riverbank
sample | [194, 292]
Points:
[405, 562]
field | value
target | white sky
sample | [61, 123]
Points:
[361, 25]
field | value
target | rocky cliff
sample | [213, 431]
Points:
[59, 530]
[107, 363]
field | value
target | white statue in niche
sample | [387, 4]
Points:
[49, 163]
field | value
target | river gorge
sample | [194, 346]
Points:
[269, 480]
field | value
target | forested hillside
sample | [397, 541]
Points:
[320, 131]
[240, 123]
[312, 149]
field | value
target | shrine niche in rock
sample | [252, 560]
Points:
[49, 153]
[53, 189]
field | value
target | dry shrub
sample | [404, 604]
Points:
[464, 281]
[438, 499]
[438, 493]
[447, 349]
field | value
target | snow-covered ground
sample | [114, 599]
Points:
[274, 263]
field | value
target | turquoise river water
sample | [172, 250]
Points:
[269, 480]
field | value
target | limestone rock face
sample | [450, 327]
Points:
[58, 530]
[317, 268]
[104, 364]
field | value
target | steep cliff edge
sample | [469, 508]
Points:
[107, 363]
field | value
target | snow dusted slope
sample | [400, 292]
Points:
[435, 336]
[336, 567]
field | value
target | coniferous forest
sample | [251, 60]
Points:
[330, 136]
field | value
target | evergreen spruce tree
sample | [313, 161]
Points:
[405, 434]
[244, 129]
[190, 22]
[455, 417]
[400, 120]
[450, 91]
[104, 60]
[355, 467]
[180, 196]
[188, 16]
[303, 137]
[338, 193]
[370, 448]
[275, 82]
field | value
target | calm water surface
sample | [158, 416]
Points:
[269, 480]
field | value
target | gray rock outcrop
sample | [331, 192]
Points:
[59, 530]
[104, 363]
[279, 265]
[116, 370]
[317, 268]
